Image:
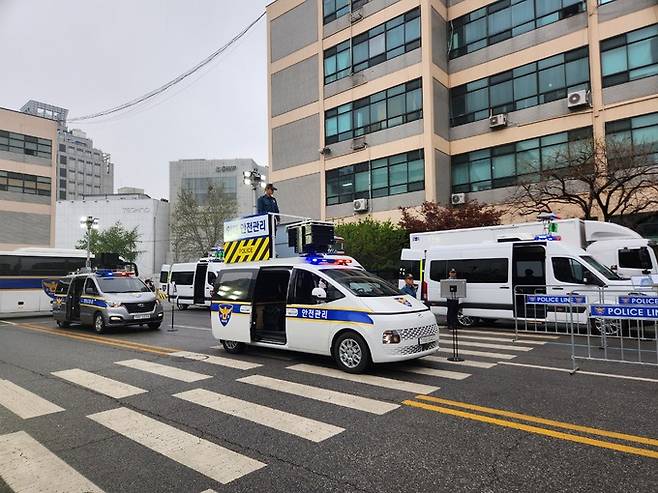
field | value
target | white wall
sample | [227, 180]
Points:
[145, 213]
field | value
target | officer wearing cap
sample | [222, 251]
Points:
[409, 287]
[267, 203]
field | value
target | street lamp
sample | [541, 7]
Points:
[88, 223]
[254, 179]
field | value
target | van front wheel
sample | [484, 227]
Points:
[466, 320]
[99, 323]
[233, 347]
[351, 353]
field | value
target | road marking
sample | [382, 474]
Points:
[310, 429]
[569, 370]
[483, 354]
[29, 467]
[205, 457]
[535, 419]
[98, 383]
[531, 335]
[435, 372]
[263, 354]
[320, 394]
[24, 403]
[485, 345]
[474, 364]
[388, 383]
[535, 429]
[164, 370]
[217, 360]
[206, 329]
[448, 335]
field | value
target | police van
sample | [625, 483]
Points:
[105, 298]
[320, 304]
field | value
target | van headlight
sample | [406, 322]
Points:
[114, 304]
[391, 337]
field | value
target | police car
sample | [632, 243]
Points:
[323, 305]
[105, 298]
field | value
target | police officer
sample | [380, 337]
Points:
[409, 287]
[267, 203]
[453, 305]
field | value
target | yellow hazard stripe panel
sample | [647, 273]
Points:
[251, 250]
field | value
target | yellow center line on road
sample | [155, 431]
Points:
[535, 429]
[543, 421]
[108, 341]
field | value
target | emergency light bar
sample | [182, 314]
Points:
[547, 237]
[317, 260]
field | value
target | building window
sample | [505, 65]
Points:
[333, 9]
[25, 144]
[201, 187]
[536, 83]
[509, 164]
[62, 172]
[23, 183]
[392, 175]
[640, 131]
[505, 19]
[62, 159]
[62, 148]
[381, 43]
[62, 194]
[631, 56]
[385, 109]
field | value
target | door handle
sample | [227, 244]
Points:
[558, 289]
[503, 287]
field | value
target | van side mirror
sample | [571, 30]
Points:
[319, 293]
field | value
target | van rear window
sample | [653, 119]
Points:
[410, 267]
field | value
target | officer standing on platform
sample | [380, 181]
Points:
[453, 305]
[267, 203]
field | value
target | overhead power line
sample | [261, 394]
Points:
[172, 82]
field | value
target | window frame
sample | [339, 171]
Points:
[614, 43]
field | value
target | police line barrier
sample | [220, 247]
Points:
[608, 324]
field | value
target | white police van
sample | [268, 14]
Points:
[323, 305]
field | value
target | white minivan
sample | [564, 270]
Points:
[194, 282]
[497, 273]
[321, 305]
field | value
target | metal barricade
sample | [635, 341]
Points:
[604, 324]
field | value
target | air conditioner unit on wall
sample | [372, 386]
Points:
[361, 205]
[356, 16]
[498, 121]
[458, 198]
[358, 79]
[358, 143]
[578, 99]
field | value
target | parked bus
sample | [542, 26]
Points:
[27, 274]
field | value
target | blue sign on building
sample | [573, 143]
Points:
[546, 299]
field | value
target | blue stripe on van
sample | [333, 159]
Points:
[312, 314]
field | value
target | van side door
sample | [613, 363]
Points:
[231, 304]
[61, 298]
[88, 301]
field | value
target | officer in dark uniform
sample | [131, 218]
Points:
[267, 203]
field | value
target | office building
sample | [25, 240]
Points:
[27, 172]
[400, 101]
[82, 169]
[150, 216]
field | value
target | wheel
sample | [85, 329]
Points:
[99, 323]
[233, 347]
[63, 324]
[609, 327]
[466, 320]
[181, 306]
[351, 353]
[154, 325]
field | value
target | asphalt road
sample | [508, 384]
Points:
[449, 428]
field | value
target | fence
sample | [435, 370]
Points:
[604, 324]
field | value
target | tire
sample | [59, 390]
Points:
[182, 306]
[351, 353]
[466, 320]
[63, 324]
[154, 325]
[233, 347]
[99, 324]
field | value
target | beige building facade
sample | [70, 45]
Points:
[392, 100]
[28, 173]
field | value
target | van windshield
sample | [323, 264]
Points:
[122, 285]
[601, 269]
[361, 283]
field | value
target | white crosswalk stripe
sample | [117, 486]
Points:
[530, 335]
[24, 403]
[29, 467]
[217, 360]
[218, 463]
[484, 354]
[388, 383]
[98, 383]
[309, 429]
[505, 347]
[435, 372]
[472, 364]
[494, 339]
[319, 394]
[164, 370]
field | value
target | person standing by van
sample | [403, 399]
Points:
[453, 305]
[409, 287]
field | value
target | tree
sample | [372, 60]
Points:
[375, 244]
[115, 239]
[601, 178]
[434, 217]
[195, 227]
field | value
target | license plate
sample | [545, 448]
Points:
[426, 339]
[140, 317]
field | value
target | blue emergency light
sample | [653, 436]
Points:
[547, 237]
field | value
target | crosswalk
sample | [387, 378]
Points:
[371, 395]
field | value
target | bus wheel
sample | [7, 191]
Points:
[99, 323]
[466, 320]
[351, 353]
[63, 324]
[233, 347]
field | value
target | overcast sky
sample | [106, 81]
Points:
[89, 55]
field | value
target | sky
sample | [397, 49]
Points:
[90, 55]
